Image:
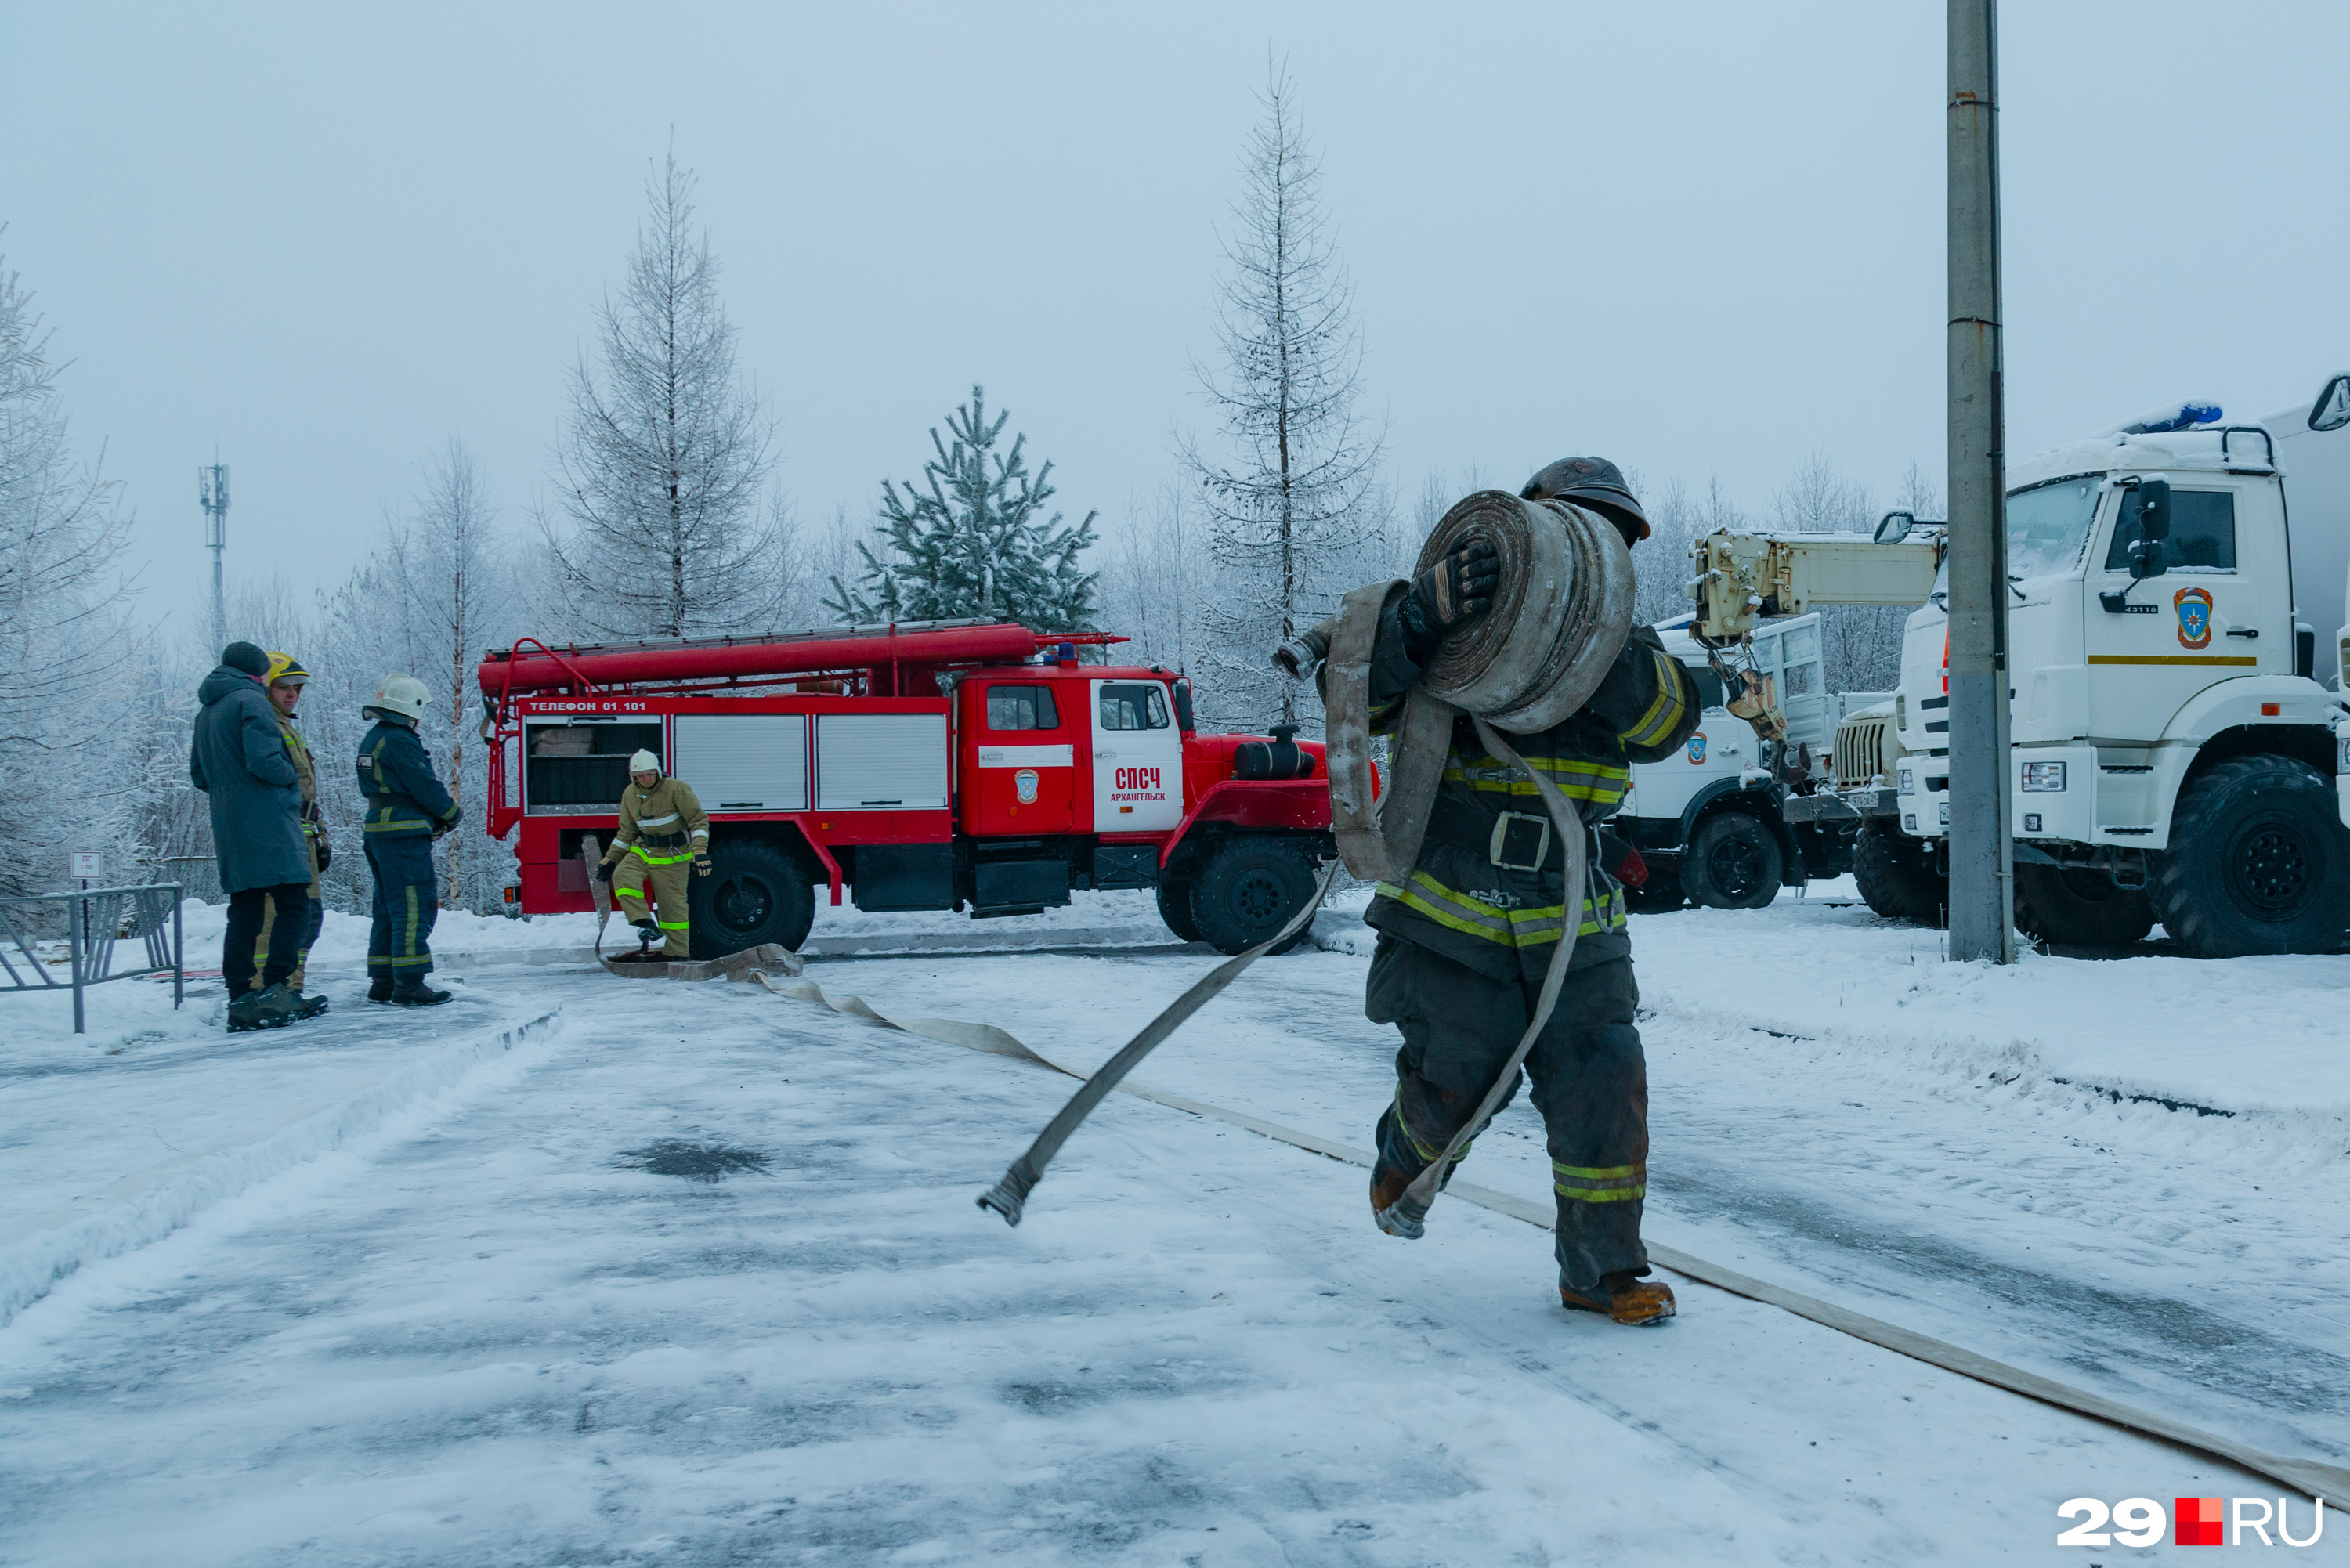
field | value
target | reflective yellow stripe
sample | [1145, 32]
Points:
[1665, 712]
[1600, 1184]
[658, 859]
[1510, 928]
[1604, 783]
[670, 925]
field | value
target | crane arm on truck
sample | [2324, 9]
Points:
[1740, 576]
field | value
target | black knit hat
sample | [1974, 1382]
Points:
[1593, 483]
[247, 657]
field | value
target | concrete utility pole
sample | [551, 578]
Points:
[211, 495]
[1982, 864]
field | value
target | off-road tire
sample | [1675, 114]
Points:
[1661, 894]
[756, 892]
[1895, 874]
[1175, 904]
[2079, 908]
[1732, 862]
[2259, 862]
[1249, 889]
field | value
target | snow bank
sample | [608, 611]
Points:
[30, 1264]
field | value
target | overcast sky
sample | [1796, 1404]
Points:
[1702, 240]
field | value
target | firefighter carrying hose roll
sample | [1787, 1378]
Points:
[1466, 935]
[662, 828]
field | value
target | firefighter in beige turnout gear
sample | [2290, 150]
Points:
[662, 828]
[285, 680]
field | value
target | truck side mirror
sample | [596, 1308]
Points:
[2332, 409]
[2151, 503]
[1894, 527]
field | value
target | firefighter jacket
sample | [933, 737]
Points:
[664, 824]
[306, 778]
[1460, 899]
[403, 799]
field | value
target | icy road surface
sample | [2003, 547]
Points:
[692, 1275]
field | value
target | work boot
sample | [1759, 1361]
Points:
[308, 1006]
[1625, 1297]
[647, 934]
[379, 988]
[271, 1009]
[411, 991]
[1391, 1211]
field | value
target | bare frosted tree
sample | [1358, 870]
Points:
[1154, 576]
[1297, 492]
[448, 564]
[666, 530]
[68, 654]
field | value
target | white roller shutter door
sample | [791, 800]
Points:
[880, 761]
[745, 761]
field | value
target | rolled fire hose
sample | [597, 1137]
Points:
[591, 855]
[1561, 613]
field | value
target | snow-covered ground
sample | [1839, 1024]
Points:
[415, 1287]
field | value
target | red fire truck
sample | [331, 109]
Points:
[934, 766]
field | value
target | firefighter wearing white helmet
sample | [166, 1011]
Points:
[407, 809]
[662, 828]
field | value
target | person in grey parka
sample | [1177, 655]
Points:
[239, 760]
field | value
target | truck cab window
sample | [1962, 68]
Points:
[2047, 527]
[1022, 707]
[2203, 533]
[1134, 705]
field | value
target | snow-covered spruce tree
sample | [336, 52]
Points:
[68, 659]
[665, 528]
[1297, 491]
[971, 538]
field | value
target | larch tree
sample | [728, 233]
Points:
[971, 538]
[1293, 492]
[666, 527]
[68, 656]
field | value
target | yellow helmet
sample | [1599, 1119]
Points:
[287, 668]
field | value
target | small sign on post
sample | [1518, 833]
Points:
[85, 865]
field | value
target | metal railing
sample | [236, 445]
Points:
[96, 920]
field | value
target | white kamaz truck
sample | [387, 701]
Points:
[1714, 821]
[2173, 747]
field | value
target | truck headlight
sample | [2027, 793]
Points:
[1909, 784]
[2047, 778]
[1946, 814]
[2342, 753]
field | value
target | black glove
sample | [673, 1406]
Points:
[1452, 593]
[701, 864]
[604, 871]
[326, 854]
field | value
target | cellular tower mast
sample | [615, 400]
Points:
[212, 493]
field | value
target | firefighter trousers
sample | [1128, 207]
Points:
[1590, 1084]
[407, 902]
[658, 878]
[313, 922]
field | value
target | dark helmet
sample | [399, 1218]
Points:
[1594, 483]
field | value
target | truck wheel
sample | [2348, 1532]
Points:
[1249, 889]
[2258, 862]
[755, 893]
[1732, 862]
[1896, 875]
[1661, 894]
[2079, 908]
[1175, 905]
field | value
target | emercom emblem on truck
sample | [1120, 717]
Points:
[2194, 607]
[1697, 747]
